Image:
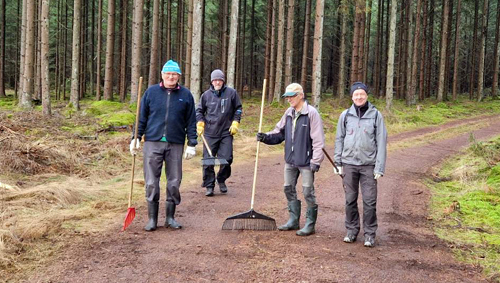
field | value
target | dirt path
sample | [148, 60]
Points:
[406, 250]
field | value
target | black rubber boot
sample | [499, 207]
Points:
[153, 216]
[170, 222]
[293, 221]
[312, 214]
[210, 192]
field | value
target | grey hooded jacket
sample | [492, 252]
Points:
[361, 141]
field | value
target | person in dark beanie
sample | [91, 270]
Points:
[218, 114]
[360, 155]
[167, 117]
[301, 128]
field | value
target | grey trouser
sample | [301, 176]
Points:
[291, 177]
[221, 148]
[356, 175]
[155, 153]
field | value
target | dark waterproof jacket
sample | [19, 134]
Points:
[361, 141]
[169, 113]
[304, 143]
[218, 109]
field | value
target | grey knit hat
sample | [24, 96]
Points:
[217, 75]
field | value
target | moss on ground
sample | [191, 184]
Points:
[466, 205]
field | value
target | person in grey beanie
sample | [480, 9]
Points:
[218, 116]
[360, 155]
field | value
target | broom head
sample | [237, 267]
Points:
[213, 161]
[250, 220]
[129, 218]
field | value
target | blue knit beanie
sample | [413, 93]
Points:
[358, 85]
[171, 66]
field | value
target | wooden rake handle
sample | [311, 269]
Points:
[135, 136]
[258, 144]
[206, 145]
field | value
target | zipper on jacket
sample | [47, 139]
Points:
[166, 115]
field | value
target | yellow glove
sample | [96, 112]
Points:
[234, 128]
[200, 127]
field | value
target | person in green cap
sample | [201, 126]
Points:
[166, 118]
[301, 128]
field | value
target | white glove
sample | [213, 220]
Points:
[190, 152]
[339, 171]
[376, 176]
[135, 144]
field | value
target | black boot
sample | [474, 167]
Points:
[312, 214]
[170, 222]
[210, 191]
[153, 216]
[293, 221]
[223, 188]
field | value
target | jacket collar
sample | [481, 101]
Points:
[218, 92]
[370, 113]
[304, 111]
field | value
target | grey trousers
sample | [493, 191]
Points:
[155, 154]
[356, 175]
[291, 177]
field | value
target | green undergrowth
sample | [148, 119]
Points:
[465, 205]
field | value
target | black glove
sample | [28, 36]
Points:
[261, 137]
[314, 167]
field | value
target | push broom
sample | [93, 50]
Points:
[131, 210]
[252, 220]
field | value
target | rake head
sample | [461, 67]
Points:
[213, 161]
[249, 220]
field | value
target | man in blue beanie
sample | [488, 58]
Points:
[360, 155]
[218, 114]
[166, 118]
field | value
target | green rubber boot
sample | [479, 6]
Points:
[170, 222]
[312, 214]
[153, 216]
[293, 221]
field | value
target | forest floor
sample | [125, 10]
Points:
[406, 250]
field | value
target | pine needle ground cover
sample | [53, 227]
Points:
[465, 206]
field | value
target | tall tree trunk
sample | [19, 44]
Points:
[268, 52]
[457, 51]
[367, 40]
[153, 61]
[378, 47]
[494, 88]
[442, 59]
[75, 57]
[136, 49]
[180, 30]
[169, 30]
[272, 68]
[2, 48]
[344, 11]
[231, 56]
[305, 49]
[279, 51]
[472, 72]
[224, 34]
[29, 70]
[123, 53]
[390, 59]
[252, 50]
[98, 55]
[110, 44]
[409, 62]
[289, 42]
[430, 56]
[45, 58]
[361, 42]
[317, 53]
[401, 51]
[356, 42]
[189, 49]
[65, 61]
[482, 50]
[410, 99]
[423, 54]
[22, 50]
[196, 51]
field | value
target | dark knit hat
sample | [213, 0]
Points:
[358, 85]
[217, 75]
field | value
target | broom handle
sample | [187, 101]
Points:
[135, 136]
[329, 158]
[206, 145]
[258, 143]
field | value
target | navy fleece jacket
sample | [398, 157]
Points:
[180, 119]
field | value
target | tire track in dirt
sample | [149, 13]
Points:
[406, 250]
